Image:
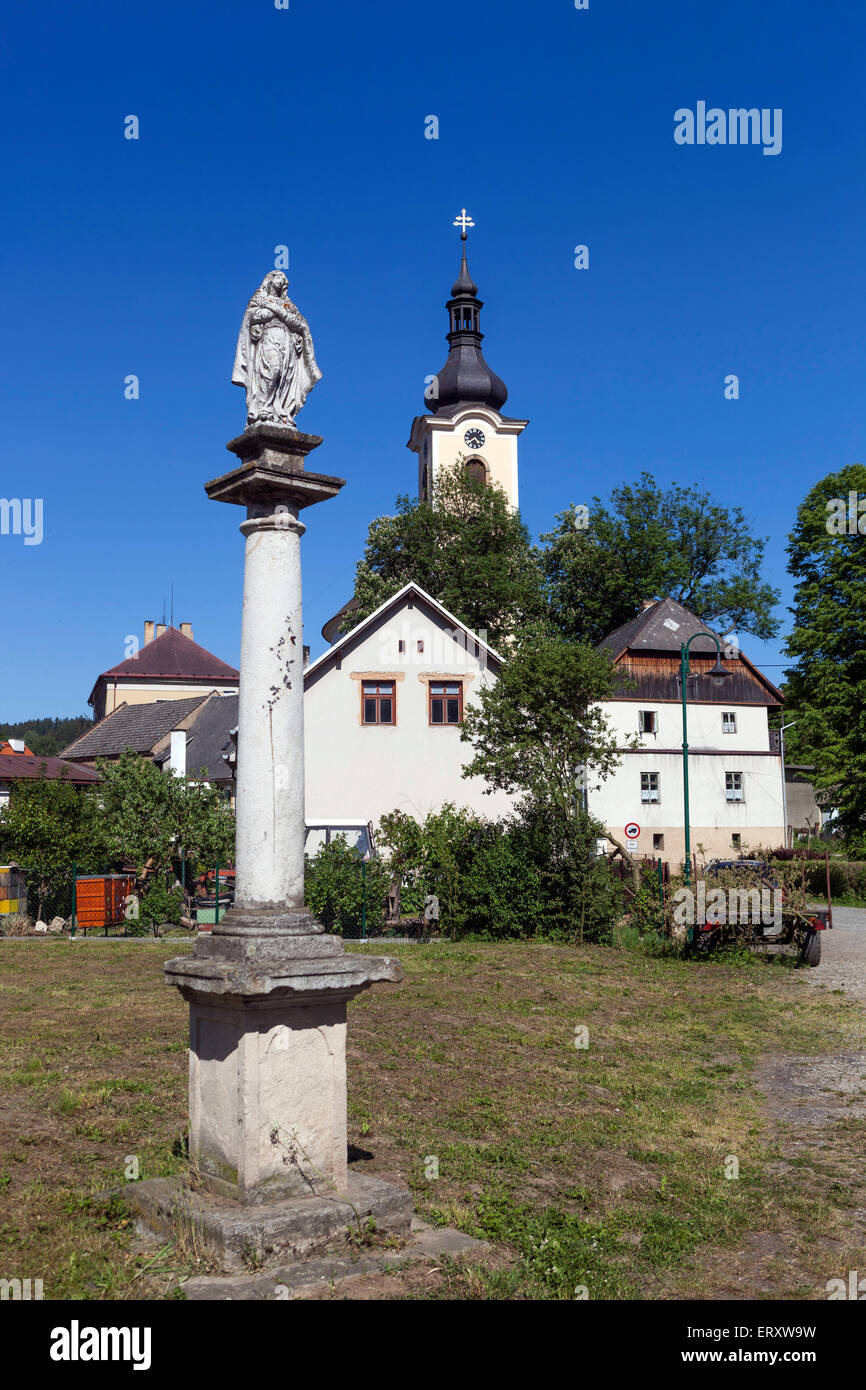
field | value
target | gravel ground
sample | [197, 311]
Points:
[843, 954]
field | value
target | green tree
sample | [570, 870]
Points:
[654, 543]
[468, 549]
[826, 688]
[47, 737]
[47, 826]
[540, 728]
[150, 817]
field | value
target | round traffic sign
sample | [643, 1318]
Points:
[632, 830]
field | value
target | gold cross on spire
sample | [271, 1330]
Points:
[463, 221]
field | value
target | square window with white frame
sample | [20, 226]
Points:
[649, 786]
[647, 721]
[734, 786]
[729, 721]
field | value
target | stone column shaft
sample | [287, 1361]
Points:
[269, 863]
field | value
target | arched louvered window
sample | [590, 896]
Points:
[476, 471]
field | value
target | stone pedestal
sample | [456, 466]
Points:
[267, 989]
[267, 1080]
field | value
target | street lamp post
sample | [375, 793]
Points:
[717, 675]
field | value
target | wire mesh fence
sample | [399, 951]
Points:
[76, 904]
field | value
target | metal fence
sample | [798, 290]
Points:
[73, 903]
[654, 873]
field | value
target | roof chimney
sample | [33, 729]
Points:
[178, 752]
[186, 629]
[148, 630]
[160, 629]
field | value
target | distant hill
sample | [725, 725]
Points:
[47, 737]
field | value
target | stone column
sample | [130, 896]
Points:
[268, 988]
[269, 857]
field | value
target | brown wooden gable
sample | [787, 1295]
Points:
[655, 676]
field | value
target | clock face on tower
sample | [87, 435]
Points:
[474, 438]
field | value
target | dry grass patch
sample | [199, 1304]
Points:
[600, 1166]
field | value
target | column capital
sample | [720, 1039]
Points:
[280, 519]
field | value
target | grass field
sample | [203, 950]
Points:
[600, 1167]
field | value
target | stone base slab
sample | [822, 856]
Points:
[263, 1237]
[306, 1277]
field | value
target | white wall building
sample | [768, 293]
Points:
[735, 766]
[382, 710]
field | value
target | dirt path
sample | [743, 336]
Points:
[817, 1108]
[843, 954]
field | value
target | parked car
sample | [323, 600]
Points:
[358, 835]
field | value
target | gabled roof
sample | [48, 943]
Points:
[409, 591]
[172, 656]
[138, 727]
[209, 738]
[15, 767]
[661, 628]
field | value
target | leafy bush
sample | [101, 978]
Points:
[847, 877]
[160, 903]
[482, 874]
[335, 886]
[533, 875]
[645, 911]
[580, 900]
[500, 888]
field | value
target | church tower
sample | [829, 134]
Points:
[464, 426]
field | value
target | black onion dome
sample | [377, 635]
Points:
[466, 378]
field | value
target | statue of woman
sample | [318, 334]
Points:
[274, 358]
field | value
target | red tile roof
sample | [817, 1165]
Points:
[174, 655]
[16, 766]
[171, 656]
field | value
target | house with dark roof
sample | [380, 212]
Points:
[169, 665]
[207, 753]
[145, 728]
[187, 736]
[735, 765]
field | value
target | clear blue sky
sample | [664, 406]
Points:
[306, 127]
